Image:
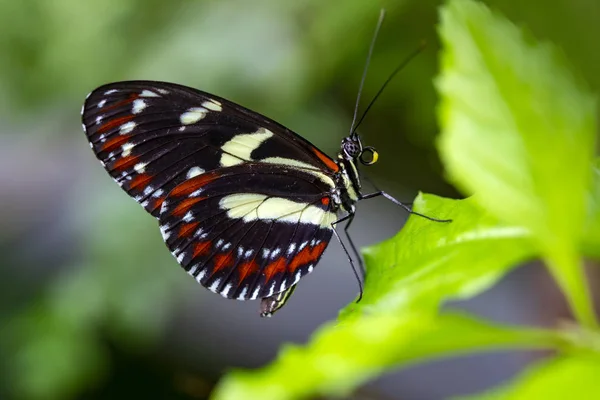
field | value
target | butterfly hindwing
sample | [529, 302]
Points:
[249, 243]
[153, 136]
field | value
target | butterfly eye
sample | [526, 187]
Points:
[368, 156]
[352, 148]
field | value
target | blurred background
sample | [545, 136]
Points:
[93, 306]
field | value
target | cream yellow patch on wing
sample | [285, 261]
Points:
[212, 105]
[239, 148]
[193, 115]
[299, 164]
[240, 205]
[252, 207]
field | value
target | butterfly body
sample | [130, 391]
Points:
[245, 205]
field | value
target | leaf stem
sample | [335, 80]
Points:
[569, 272]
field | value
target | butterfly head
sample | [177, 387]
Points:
[352, 150]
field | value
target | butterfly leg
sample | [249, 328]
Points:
[399, 203]
[268, 305]
[349, 218]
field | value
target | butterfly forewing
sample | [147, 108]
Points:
[249, 244]
[152, 136]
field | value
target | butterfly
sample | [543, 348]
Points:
[245, 205]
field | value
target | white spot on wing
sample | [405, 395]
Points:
[165, 232]
[193, 270]
[188, 216]
[212, 105]
[226, 246]
[98, 119]
[148, 93]
[283, 285]
[111, 91]
[140, 167]
[138, 106]
[298, 276]
[193, 115]
[101, 103]
[271, 290]
[180, 257]
[149, 189]
[248, 253]
[275, 252]
[127, 147]
[215, 285]
[291, 249]
[194, 171]
[255, 294]
[127, 127]
[226, 290]
[242, 295]
[310, 268]
[200, 275]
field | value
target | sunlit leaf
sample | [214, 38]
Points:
[428, 262]
[518, 130]
[572, 377]
[341, 356]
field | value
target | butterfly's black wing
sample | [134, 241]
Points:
[152, 136]
[250, 243]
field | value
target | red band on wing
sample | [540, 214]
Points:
[128, 100]
[191, 185]
[185, 205]
[306, 256]
[247, 269]
[139, 180]
[201, 248]
[113, 123]
[222, 261]
[277, 266]
[125, 162]
[188, 229]
[115, 142]
[326, 160]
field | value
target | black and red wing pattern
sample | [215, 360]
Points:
[248, 231]
[153, 136]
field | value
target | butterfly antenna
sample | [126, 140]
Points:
[364, 75]
[399, 68]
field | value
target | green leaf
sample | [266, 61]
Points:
[591, 241]
[574, 377]
[428, 262]
[396, 323]
[518, 130]
[340, 357]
